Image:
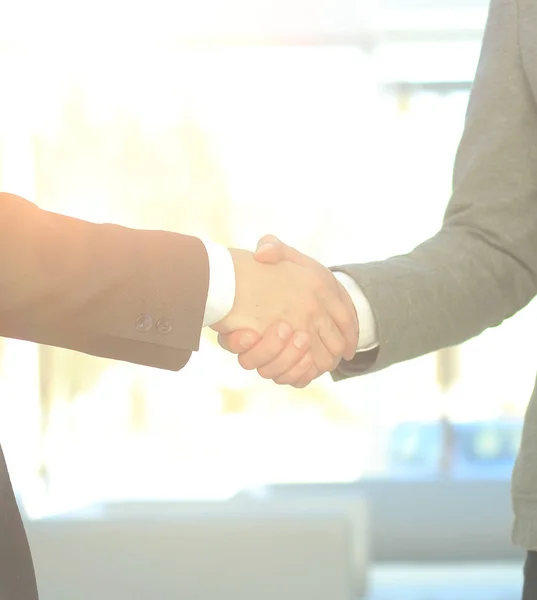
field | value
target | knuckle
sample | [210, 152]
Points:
[246, 362]
[306, 362]
[322, 324]
[265, 372]
[302, 382]
[325, 365]
[302, 340]
[226, 342]
[330, 326]
[333, 363]
[345, 318]
[339, 347]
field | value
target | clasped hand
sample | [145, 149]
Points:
[291, 319]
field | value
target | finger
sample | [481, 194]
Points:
[342, 315]
[289, 358]
[323, 358]
[297, 371]
[272, 343]
[333, 341]
[270, 250]
[352, 333]
[311, 374]
[238, 342]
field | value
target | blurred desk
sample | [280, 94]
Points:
[429, 520]
[198, 551]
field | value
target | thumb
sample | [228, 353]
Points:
[237, 342]
[271, 250]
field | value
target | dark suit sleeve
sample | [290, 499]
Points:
[101, 289]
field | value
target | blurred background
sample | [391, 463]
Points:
[334, 125]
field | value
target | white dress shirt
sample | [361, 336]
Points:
[368, 338]
[222, 295]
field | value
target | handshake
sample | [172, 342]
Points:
[291, 319]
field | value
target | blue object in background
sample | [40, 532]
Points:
[478, 450]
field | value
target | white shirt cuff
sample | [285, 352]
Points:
[368, 337]
[221, 294]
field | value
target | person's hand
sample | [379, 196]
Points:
[271, 250]
[273, 355]
[281, 354]
[294, 293]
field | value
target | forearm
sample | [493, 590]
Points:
[447, 291]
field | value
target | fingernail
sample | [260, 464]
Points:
[246, 341]
[300, 340]
[284, 331]
[265, 246]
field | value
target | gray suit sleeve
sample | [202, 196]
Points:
[481, 267]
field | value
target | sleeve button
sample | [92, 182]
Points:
[164, 326]
[144, 323]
